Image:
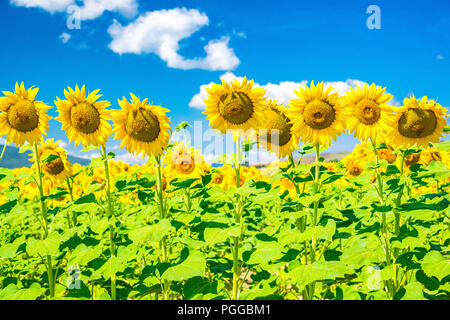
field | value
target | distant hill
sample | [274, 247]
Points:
[13, 159]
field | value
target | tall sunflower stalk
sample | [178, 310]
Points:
[162, 215]
[111, 216]
[238, 210]
[43, 206]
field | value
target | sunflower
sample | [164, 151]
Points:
[58, 168]
[387, 154]
[22, 117]
[368, 115]
[142, 127]
[418, 122]
[84, 118]
[234, 106]
[317, 115]
[277, 135]
[433, 154]
[412, 158]
[185, 163]
[285, 184]
[354, 168]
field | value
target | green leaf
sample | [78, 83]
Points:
[50, 158]
[266, 252]
[49, 246]
[153, 233]
[9, 250]
[414, 291]
[319, 270]
[82, 255]
[434, 264]
[111, 267]
[90, 198]
[216, 235]
[194, 265]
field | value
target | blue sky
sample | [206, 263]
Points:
[282, 43]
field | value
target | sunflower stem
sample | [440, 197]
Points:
[237, 217]
[3, 151]
[70, 187]
[389, 283]
[51, 279]
[110, 213]
[309, 290]
[162, 215]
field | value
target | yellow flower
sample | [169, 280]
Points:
[184, 162]
[286, 185]
[367, 113]
[433, 154]
[418, 122]
[234, 106]
[317, 115]
[23, 118]
[58, 168]
[354, 168]
[84, 118]
[142, 127]
[278, 136]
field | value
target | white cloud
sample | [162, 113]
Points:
[160, 32]
[440, 57]
[65, 37]
[48, 5]
[90, 9]
[240, 34]
[93, 9]
[282, 92]
[130, 159]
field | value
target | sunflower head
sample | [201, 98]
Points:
[234, 106]
[23, 118]
[367, 113]
[317, 114]
[84, 119]
[275, 133]
[354, 169]
[184, 162]
[142, 127]
[387, 154]
[418, 122]
[412, 158]
[55, 163]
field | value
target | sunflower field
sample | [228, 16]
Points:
[375, 225]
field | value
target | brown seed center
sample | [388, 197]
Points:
[367, 111]
[85, 118]
[142, 125]
[23, 116]
[319, 114]
[417, 123]
[236, 107]
[54, 167]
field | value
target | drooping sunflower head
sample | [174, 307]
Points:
[234, 106]
[23, 118]
[185, 163]
[142, 127]
[412, 158]
[367, 113]
[433, 154]
[285, 185]
[418, 122]
[387, 154]
[354, 169]
[317, 115]
[55, 164]
[84, 119]
[275, 133]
